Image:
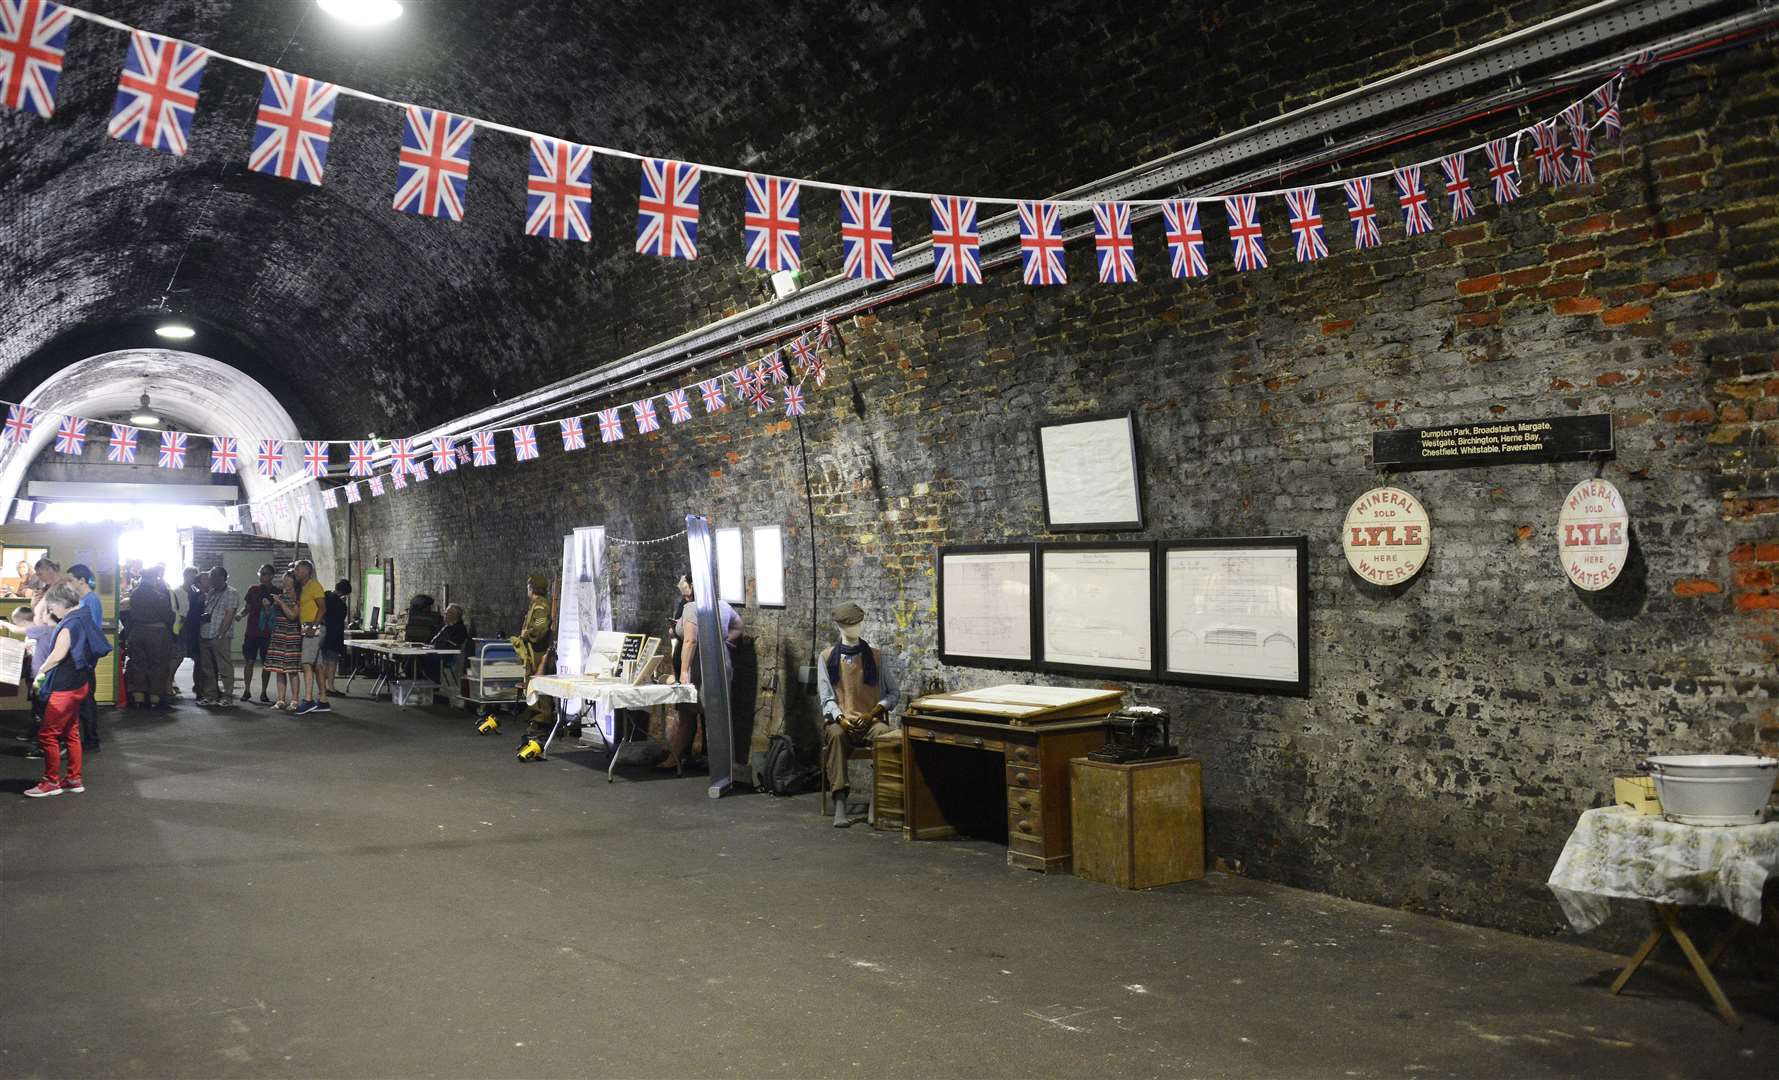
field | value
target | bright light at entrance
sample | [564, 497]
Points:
[151, 531]
[363, 12]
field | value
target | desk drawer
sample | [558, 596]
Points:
[1025, 803]
[1024, 776]
[1022, 754]
[1022, 825]
[970, 742]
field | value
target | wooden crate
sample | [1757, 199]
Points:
[886, 768]
[1140, 825]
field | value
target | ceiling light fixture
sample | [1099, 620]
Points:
[175, 330]
[144, 416]
[362, 12]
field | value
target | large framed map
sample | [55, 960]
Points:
[1096, 609]
[985, 605]
[1235, 613]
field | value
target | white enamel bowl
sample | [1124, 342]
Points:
[1714, 789]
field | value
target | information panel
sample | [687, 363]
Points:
[1495, 442]
[1235, 612]
[1096, 605]
[985, 605]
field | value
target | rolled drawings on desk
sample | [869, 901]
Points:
[1233, 612]
[1097, 608]
[986, 604]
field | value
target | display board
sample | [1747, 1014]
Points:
[370, 600]
[731, 575]
[985, 605]
[583, 611]
[768, 566]
[1090, 472]
[1096, 609]
[713, 664]
[1235, 612]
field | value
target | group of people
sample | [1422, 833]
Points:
[62, 627]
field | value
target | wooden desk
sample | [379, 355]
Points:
[952, 766]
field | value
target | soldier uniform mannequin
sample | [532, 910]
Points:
[858, 692]
[533, 645]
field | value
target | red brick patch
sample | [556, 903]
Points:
[1627, 313]
[1696, 587]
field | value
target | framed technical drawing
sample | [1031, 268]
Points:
[1096, 608]
[1235, 613]
[985, 605]
[1091, 474]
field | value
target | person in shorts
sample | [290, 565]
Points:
[259, 613]
[311, 598]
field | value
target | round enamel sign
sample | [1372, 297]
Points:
[1387, 536]
[1593, 534]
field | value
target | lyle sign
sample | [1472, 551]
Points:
[1593, 534]
[1387, 536]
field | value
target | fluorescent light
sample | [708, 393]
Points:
[144, 419]
[174, 330]
[362, 12]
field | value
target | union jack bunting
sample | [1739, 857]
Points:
[793, 401]
[1362, 212]
[1040, 244]
[433, 168]
[270, 457]
[824, 333]
[957, 246]
[559, 190]
[157, 94]
[20, 419]
[1547, 151]
[611, 428]
[444, 455]
[712, 389]
[754, 389]
[816, 369]
[1112, 243]
[329, 499]
[1605, 101]
[122, 448]
[224, 457]
[1416, 218]
[33, 35]
[172, 450]
[363, 452]
[401, 455]
[678, 408]
[419, 472]
[773, 367]
[573, 436]
[1244, 232]
[482, 448]
[296, 122]
[399, 481]
[667, 210]
[1457, 187]
[525, 442]
[376, 485]
[315, 459]
[463, 455]
[1581, 156]
[1185, 240]
[769, 223]
[1504, 169]
[1306, 225]
[803, 353]
[71, 436]
[866, 246]
[352, 495]
[646, 418]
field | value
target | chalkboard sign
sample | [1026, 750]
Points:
[1494, 442]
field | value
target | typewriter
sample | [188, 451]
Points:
[1136, 733]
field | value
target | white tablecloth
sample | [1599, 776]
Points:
[618, 695]
[1616, 852]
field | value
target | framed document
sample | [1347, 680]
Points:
[768, 566]
[1096, 607]
[1235, 613]
[985, 605]
[1091, 473]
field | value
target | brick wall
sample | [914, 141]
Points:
[1457, 725]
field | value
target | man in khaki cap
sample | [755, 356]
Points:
[532, 643]
[858, 692]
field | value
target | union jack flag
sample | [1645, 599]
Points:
[172, 450]
[1185, 240]
[433, 169]
[573, 437]
[1605, 100]
[525, 442]
[803, 353]
[270, 457]
[793, 401]
[667, 210]
[678, 408]
[352, 495]
[1362, 212]
[712, 389]
[1244, 232]
[1457, 187]
[957, 246]
[773, 366]
[399, 481]
[611, 428]
[824, 333]
[376, 486]
[419, 472]
[754, 389]
[866, 246]
[1504, 170]
[646, 419]
[33, 35]
[1112, 243]
[1416, 218]
[329, 499]
[157, 94]
[296, 122]
[482, 447]
[1581, 155]
[122, 448]
[769, 224]
[1547, 151]
[401, 455]
[559, 190]
[71, 436]
[224, 457]
[20, 419]
[363, 452]
[1306, 225]
[444, 455]
[315, 459]
[1040, 243]
[463, 455]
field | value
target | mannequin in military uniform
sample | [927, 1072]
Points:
[858, 693]
[533, 645]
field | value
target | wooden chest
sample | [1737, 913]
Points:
[1138, 825]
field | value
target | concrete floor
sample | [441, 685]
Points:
[380, 892]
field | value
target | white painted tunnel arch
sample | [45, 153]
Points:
[190, 393]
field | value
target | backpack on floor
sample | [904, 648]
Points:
[783, 773]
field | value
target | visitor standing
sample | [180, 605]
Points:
[80, 575]
[188, 616]
[259, 613]
[284, 652]
[216, 659]
[151, 655]
[310, 598]
[333, 639]
[64, 680]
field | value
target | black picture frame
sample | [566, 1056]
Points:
[1129, 416]
[969, 660]
[1301, 545]
[1039, 616]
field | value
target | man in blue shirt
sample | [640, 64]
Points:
[80, 575]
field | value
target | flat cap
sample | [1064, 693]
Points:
[848, 613]
[539, 583]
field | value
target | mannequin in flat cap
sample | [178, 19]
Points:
[533, 644]
[858, 693]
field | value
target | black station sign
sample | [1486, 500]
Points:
[1494, 442]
